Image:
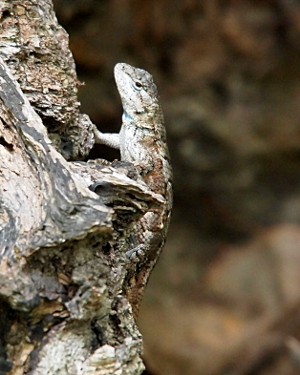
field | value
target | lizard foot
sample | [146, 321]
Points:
[136, 254]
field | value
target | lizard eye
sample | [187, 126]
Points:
[138, 84]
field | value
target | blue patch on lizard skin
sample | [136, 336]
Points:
[127, 117]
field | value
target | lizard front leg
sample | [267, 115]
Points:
[108, 139]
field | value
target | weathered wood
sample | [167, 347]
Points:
[63, 225]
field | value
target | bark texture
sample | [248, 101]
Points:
[36, 49]
[63, 225]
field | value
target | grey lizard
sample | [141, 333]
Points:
[142, 141]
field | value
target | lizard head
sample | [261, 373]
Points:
[137, 90]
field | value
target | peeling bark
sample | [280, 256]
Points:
[63, 224]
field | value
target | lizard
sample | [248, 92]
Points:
[142, 142]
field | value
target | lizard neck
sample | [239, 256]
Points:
[141, 121]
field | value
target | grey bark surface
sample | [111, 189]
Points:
[64, 225]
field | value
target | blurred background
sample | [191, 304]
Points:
[224, 298]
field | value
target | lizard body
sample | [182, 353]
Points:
[142, 141]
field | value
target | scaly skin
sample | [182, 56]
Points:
[142, 141]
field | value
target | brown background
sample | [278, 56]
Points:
[225, 296]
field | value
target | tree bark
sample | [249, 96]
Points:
[63, 224]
